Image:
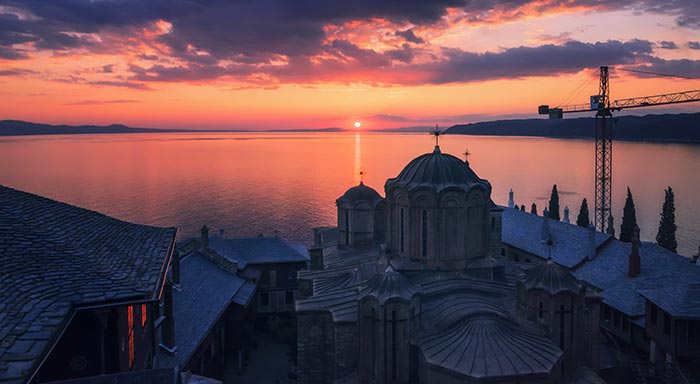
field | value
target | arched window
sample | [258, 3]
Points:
[540, 310]
[347, 227]
[402, 229]
[424, 234]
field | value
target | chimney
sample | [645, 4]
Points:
[511, 203]
[545, 235]
[634, 260]
[591, 242]
[205, 237]
[168, 325]
[175, 268]
[566, 215]
[611, 226]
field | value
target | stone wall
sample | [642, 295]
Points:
[315, 347]
[346, 348]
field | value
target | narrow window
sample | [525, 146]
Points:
[540, 310]
[561, 326]
[273, 279]
[373, 341]
[424, 234]
[130, 330]
[289, 297]
[394, 350]
[402, 229]
[694, 332]
[347, 227]
[264, 299]
[667, 324]
[493, 223]
[654, 314]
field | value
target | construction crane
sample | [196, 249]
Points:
[604, 108]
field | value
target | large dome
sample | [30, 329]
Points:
[439, 171]
[360, 193]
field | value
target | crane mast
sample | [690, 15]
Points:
[603, 107]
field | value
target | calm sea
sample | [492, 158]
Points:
[286, 183]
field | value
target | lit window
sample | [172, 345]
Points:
[144, 315]
[130, 329]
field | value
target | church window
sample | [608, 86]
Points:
[654, 314]
[394, 350]
[561, 326]
[347, 227]
[424, 234]
[402, 229]
[667, 324]
[540, 310]
[493, 223]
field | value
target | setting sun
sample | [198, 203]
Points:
[357, 124]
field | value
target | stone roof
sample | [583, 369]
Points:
[360, 194]
[205, 292]
[342, 304]
[254, 250]
[679, 300]
[608, 272]
[437, 171]
[56, 257]
[489, 347]
[551, 278]
[389, 285]
[570, 242]
[351, 257]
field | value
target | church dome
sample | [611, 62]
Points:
[360, 193]
[438, 171]
[389, 285]
[552, 279]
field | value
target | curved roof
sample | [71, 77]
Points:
[360, 193]
[551, 278]
[389, 285]
[438, 171]
[490, 347]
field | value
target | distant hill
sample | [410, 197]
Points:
[16, 127]
[683, 127]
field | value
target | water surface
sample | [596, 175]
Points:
[286, 183]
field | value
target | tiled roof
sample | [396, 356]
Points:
[56, 256]
[659, 268]
[204, 293]
[570, 242]
[680, 300]
[258, 250]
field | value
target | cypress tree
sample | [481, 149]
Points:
[583, 220]
[554, 204]
[629, 219]
[666, 237]
[533, 209]
[522, 207]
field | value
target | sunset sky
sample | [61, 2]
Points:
[328, 63]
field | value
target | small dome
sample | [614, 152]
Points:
[360, 193]
[389, 285]
[551, 278]
[439, 171]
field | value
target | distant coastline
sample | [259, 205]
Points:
[675, 128]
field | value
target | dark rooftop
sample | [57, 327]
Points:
[360, 194]
[257, 250]
[56, 257]
[204, 293]
[680, 300]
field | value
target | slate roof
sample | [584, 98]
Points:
[659, 268]
[389, 285]
[204, 294]
[680, 300]
[342, 304]
[351, 257]
[359, 194]
[56, 257]
[150, 376]
[524, 231]
[437, 171]
[552, 279]
[258, 250]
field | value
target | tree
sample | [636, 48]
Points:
[554, 204]
[533, 209]
[666, 237]
[522, 207]
[629, 219]
[583, 220]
